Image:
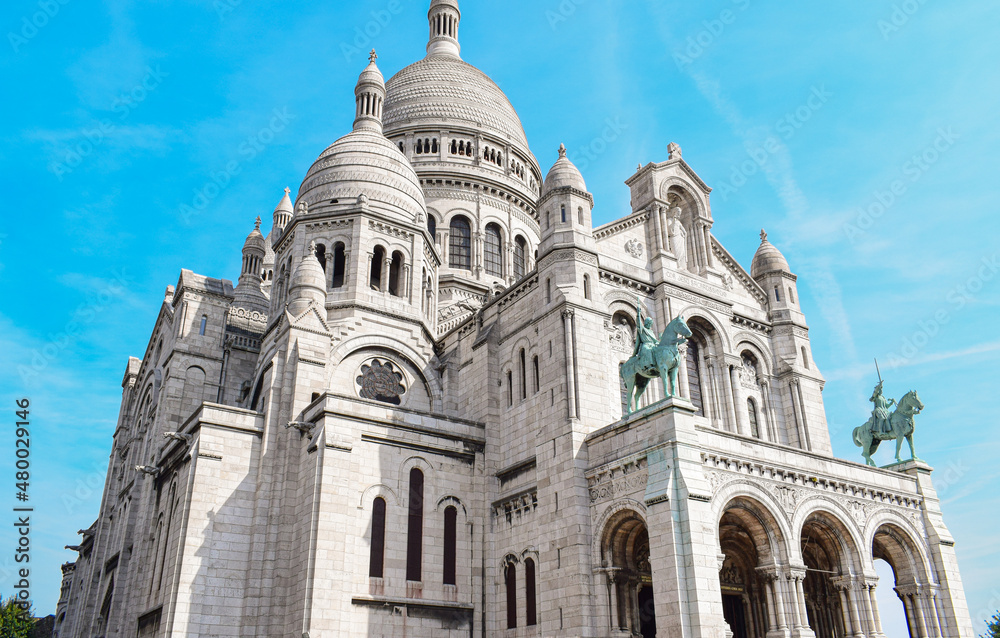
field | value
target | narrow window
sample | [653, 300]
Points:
[791, 295]
[375, 280]
[510, 388]
[420, 147]
[376, 559]
[562, 212]
[460, 244]
[414, 527]
[752, 412]
[204, 324]
[339, 265]
[805, 357]
[510, 578]
[524, 375]
[529, 593]
[579, 215]
[321, 256]
[450, 534]
[520, 256]
[492, 259]
[434, 145]
[586, 287]
[548, 220]
[454, 147]
[538, 378]
[395, 274]
[548, 291]
[777, 294]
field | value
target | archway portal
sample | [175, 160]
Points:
[746, 548]
[827, 585]
[630, 582]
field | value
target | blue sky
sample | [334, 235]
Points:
[140, 138]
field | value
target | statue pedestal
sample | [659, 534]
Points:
[911, 466]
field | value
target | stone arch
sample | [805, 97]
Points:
[419, 363]
[747, 341]
[688, 192]
[373, 491]
[615, 509]
[837, 523]
[746, 505]
[625, 562]
[892, 537]
[447, 500]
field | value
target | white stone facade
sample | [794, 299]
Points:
[406, 419]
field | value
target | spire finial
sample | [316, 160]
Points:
[562, 150]
[372, 56]
[256, 224]
[763, 235]
[287, 190]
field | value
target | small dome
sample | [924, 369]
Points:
[255, 241]
[767, 259]
[308, 275]
[285, 205]
[444, 3]
[563, 174]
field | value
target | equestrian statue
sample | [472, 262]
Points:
[653, 357]
[886, 426]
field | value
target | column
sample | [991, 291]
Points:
[772, 622]
[874, 604]
[799, 578]
[918, 608]
[855, 617]
[407, 284]
[772, 430]
[935, 617]
[445, 246]
[654, 212]
[866, 602]
[742, 420]
[477, 254]
[728, 387]
[779, 602]
[366, 276]
[567, 316]
[845, 610]
[384, 279]
[682, 374]
[708, 245]
[792, 582]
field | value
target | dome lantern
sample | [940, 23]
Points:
[444, 17]
[369, 97]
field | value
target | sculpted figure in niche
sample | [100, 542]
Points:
[678, 237]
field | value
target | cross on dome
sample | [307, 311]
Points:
[562, 150]
[372, 56]
[763, 235]
[256, 224]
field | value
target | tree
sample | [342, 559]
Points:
[15, 620]
[993, 627]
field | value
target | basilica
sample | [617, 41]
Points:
[406, 419]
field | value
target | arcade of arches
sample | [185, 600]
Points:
[628, 576]
[824, 589]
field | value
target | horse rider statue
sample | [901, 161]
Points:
[880, 412]
[645, 339]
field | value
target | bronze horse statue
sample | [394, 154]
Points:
[666, 360]
[901, 421]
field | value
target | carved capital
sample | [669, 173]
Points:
[568, 312]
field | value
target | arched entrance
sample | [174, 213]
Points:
[893, 545]
[625, 554]
[836, 599]
[750, 541]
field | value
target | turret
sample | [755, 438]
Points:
[308, 284]
[282, 215]
[770, 269]
[248, 293]
[369, 97]
[565, 208]
[444, 17]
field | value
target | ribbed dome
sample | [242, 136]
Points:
[255, 241]
[308, 274]
[767, 259]
[441, 90]
[364, 161]
[563, 174]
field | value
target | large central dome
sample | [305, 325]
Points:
[443, 88]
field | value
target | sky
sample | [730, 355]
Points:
[139, 138]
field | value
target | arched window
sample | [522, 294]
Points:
[510, 388]
[586, 286]
[420, 147]
[321, 256]
[468, 149]
[415, 525]
[377, 557]
[402, 148]
[460, 244]
[538, 378]
[562, 213]
[204, 324]
[524, 374]
[531, 617]
[434, 145]
[520, 257]
[694, 376]
[339, 264]
[492, 257]
[450, 538]
[548, 291]
[432, 228]
[777, 294]
[752, 412]
[396, 274]
[375, 280]
[510, 579]
[579, 215]
[454, 147]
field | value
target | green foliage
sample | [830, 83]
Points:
[993, 627]
[15, 621]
